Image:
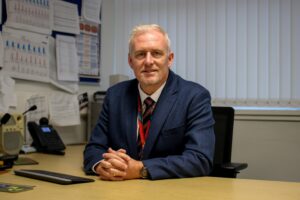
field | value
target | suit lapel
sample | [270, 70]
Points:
[163, 107]
[130, 118]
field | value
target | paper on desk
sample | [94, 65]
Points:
[66, 58]
[13, 188]
[64, 109]
[69, 86]
[7, 92]
[65, 17]
[91, 10]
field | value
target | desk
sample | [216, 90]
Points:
[204, 188]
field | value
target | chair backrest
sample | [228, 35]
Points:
[224, 121]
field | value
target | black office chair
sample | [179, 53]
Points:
[223, 167]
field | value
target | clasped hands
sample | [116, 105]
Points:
[117, 166]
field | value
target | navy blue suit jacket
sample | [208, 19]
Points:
[181, 136]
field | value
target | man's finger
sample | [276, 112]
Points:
[104, 172]
[105, 164]
[109, 156]
[120, 165]
[117, 173]
[121, 153]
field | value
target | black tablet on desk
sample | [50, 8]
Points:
[50, 176]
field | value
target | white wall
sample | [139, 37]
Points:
[270, 143]
[107, 42]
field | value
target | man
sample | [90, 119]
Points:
[173, 138]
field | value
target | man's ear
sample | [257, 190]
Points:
[129, 60]
[170, 59]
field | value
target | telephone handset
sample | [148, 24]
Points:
[45, 138]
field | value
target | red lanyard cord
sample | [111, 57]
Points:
[142, 132]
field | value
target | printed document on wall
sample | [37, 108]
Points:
[64, 109]
[30, 15]
[67, 59]
[65, 17]
[7, 92]
[25, 55]
[87, 44]
[91, 10]
[69, 86]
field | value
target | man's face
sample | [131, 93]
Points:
[150, 60]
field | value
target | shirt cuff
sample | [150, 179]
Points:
[94, 166]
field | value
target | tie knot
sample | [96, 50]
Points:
[149, 102]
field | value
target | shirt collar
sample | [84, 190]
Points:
[153, 96]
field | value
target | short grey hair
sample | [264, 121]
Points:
[137, 30]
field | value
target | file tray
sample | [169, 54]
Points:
[54, 177]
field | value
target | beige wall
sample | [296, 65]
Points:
[269, 143]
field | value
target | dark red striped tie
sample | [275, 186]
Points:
[146, 119]
[147, 114]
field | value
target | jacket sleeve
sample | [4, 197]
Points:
[98, 142]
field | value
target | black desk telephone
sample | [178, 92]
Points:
[45, 138]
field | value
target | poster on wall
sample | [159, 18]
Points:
[25, 55]
[88, 51]
[31, 15]
[91, 10]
